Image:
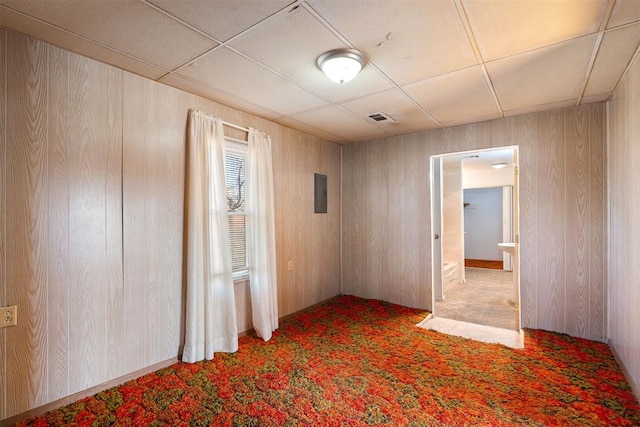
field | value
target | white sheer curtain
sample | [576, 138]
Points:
[261, 236]
[211, 311]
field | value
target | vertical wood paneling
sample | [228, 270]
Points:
[172, 112]
[3, 192]
[310, 240]
[504, 133]
[68, 218]
[314, 162]
[333, 248]
[347, 279]
[384, 234]
[300, 258]
[527, 131]
[348, 183]
[283, 163]
[557, 174]
[112, 134]
[58, 235]
[376, 204]
[597, 224]
[624, 211]
[398, 191]
[135, 254]
[621, 209]
[415, 167]
[358, 226]
[88, 240]
[551, 220]
[153, 193]
[26, 222]
[577, 225]
[301, 190]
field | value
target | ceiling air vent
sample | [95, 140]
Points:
[380, 118]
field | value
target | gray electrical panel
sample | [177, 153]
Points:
[320, 193]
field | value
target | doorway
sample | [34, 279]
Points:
[463, 291]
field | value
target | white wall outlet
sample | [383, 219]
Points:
[8, 316]
[290, 265]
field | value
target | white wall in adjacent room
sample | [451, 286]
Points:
[483, 223]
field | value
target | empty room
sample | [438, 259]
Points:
[319, 212]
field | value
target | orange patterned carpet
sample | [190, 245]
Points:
[356, 362]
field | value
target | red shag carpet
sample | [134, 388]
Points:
[355, 362]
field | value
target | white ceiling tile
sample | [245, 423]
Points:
[543, 107]
[453, 96]
[394, 104]
[503, 28]
[616, 50]
[542, 76]
[221, 19]
[340, 122]
[303, 127]
[624, 11]
[22, 23]
[227, 71]
[220, 96]
[305, 39]
[409, 40]
[420, 46]
[128, 26]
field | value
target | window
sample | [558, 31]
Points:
[235, 173]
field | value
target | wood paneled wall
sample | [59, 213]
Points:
[624, 161]
[91, 209]
[62, 208]
[386, 215]
[310, 240]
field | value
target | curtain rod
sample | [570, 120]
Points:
[235, 126]
[223, 122]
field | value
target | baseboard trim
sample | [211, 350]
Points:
[632, 382]
[483, 263]
[86, 393]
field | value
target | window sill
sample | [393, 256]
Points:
[240, 277]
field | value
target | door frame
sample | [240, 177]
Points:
[436, 243]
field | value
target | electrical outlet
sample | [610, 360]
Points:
[8, 316]
[290, 265]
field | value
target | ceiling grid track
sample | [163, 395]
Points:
[352, 46]
[81, 37]
[539, 55]
[476, 50]
[225, 44]
[596, 48]
[221, 43]
[592, 61]
[626, 71]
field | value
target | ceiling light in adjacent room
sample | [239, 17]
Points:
[499, 165]
[341, 65]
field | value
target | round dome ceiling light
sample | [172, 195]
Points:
[341, 65]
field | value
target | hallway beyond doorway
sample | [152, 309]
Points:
[483, 299]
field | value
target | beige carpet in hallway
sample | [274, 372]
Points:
[483, 299]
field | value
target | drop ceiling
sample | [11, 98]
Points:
[431, 63]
